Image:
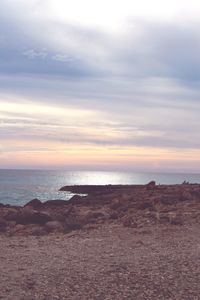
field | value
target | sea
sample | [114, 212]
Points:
[17, 187]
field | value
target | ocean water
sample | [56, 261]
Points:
[17, 187]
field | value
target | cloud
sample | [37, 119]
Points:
[71, 127]
[32, 54]
[62, 57]
[140, 80]
[143, 49]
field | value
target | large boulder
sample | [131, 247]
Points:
[35, 204]
[30, 216]
[151, 185]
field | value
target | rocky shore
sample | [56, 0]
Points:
[118, 242]
[132, 206]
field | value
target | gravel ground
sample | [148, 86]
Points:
[109, 262]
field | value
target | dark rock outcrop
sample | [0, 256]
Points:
[151, 185]
[30, 216]
[35, 204]
[55, 203]
[132, 206]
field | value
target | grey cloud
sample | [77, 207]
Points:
[32, 54]
[175, 114]
[25, 49]
[160, 50]
[147, 49]
[62, 57]
[145, 80]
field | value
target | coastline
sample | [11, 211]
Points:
[129, 205]
[124, 242]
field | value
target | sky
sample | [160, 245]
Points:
[100, 85]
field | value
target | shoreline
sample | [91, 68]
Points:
[129, 205]
[138, 242]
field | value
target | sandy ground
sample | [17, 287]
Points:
[111, 262]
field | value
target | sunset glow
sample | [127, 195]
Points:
[100, 85]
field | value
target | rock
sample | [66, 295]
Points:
[114, 215]
[19, 227]
[12, 214]
[54, 226]
[96, 215]
[151, 185]
[185, 195]
[145, 205]
[175, 219]
[195, 193]
[28, 229]
[11, 224]
[3, 225]
[50, 203]
[185, 182]
[17, 230]
[132, 206]
[60, 214]
[77, 199]
[73, 222]
[127, 221]
[37, 231]
[30, 216]
[168, 199]
[119, 205]
[115, 204]
[169, 218]
[35, 204]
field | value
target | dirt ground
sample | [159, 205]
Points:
[109, 262]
